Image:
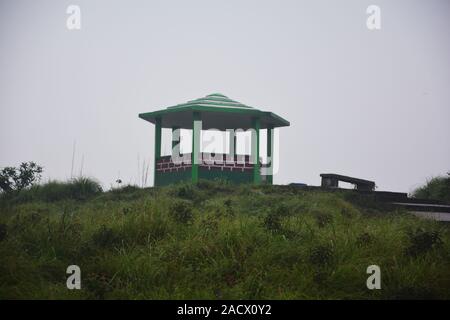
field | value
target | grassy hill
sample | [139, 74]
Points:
[216, 241]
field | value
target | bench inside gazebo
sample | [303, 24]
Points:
[217, 112]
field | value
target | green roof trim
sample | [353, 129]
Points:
[218, 111]
[215, 99]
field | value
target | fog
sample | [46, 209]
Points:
[367, 103]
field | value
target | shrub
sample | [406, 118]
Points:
[322, 219]
[76, 189]
[16, 179]
[422, 241]
[99, 284]
[229, 207]
[105, 237]
[347, 213]
[282, 210]
[272, 222]
[437, 188]
[181, 211]
[83, 188]
[364, 239]
[321, 255]
[126, 193]
[183, 190]
[320, 277]
[208, 224]
[214, 186]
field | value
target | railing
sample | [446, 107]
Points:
[210, 161]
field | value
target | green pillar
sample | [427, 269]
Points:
[231, 145]
[270, 132]
[256, 125]
[196, 129]
[235, 142]
[157, 145]
[176, 134]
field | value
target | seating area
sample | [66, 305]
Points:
[210, 161]
[219, 113]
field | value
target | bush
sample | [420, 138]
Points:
[16, 179]
[229, 207]
[272, 222]
[181, 211]
[437, 188]
[214, 186]
[105, 237]
[76, 189]
[364, 239]
[83, 188]
[282, 210]
[184, 190]
[422, 241]
[323, 219]
[321, 255]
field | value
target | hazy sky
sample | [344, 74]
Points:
[371, 104]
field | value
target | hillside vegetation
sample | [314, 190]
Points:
[437, 188]
[215, 241]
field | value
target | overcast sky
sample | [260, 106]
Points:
[373, 104]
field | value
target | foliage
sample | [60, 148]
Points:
[422, 241]
[215, 241]
[181, 211]
[437, 188]
[16, 179]
[321, 255]
[81, 188]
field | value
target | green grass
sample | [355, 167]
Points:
[218, 241]
[76, 189]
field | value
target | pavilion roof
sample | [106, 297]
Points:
[217, 111]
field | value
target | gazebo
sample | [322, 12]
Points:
[218, 112]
